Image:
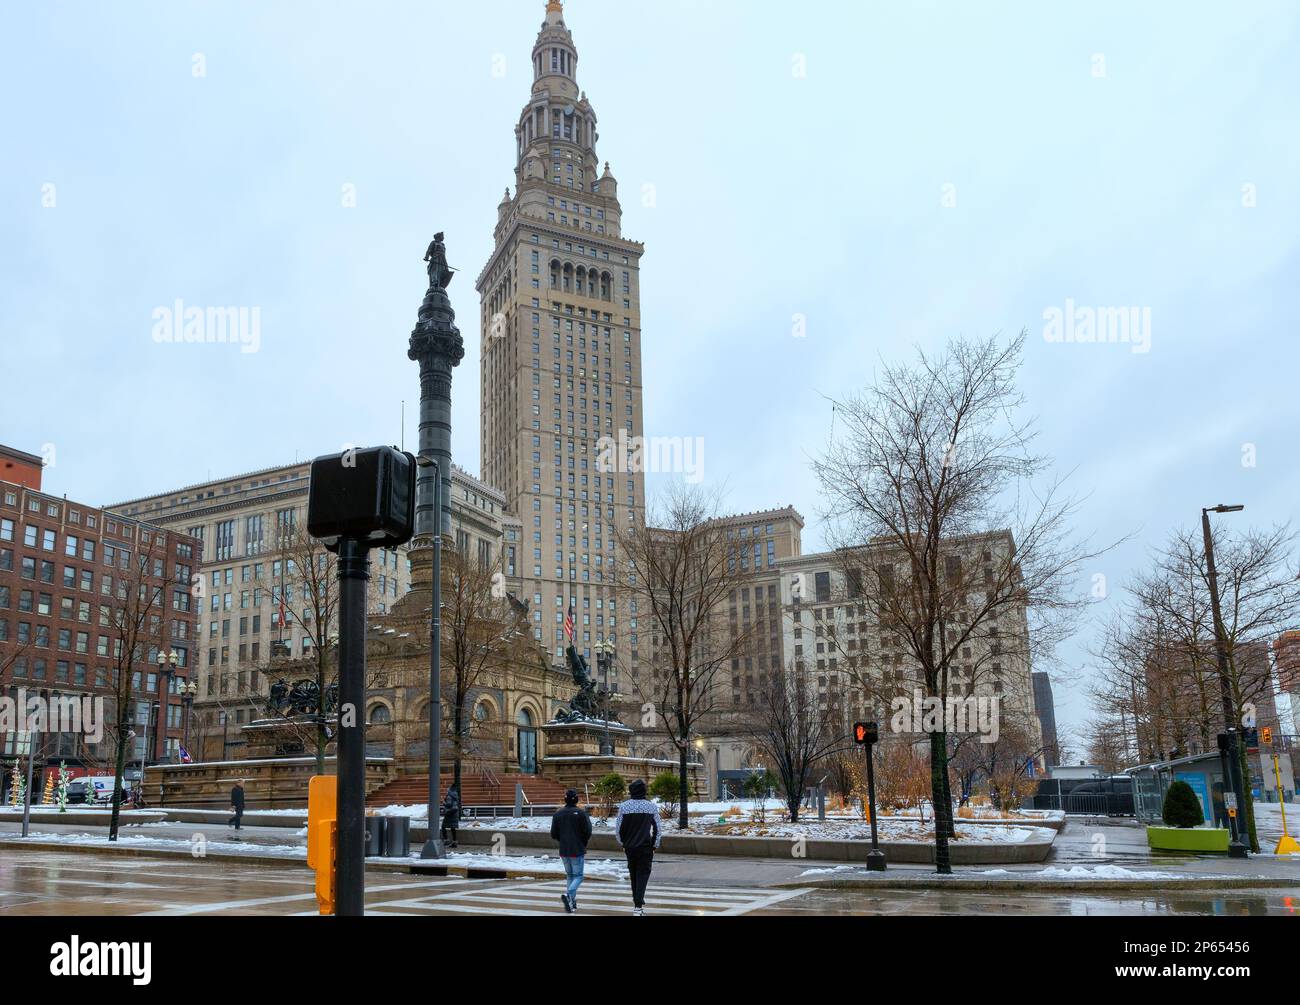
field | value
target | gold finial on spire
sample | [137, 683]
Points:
[554, 6]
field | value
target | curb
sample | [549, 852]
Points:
[973, 885]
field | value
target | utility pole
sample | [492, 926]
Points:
[360, 500]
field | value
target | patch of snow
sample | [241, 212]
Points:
[1103, 872]
[166, 844]
[889, 829]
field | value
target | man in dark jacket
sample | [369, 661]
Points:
[450, 816]
[638, 832]
[237, 806]
[571, 827]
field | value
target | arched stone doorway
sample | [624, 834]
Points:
[527, 742]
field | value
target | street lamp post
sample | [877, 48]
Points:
[167, 663]
[1233, 780]
[32, 742]
[604, 658]
[189, 691]
[144, 754]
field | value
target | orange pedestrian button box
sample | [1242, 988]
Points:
[322, 835]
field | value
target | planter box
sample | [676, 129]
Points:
[1200, 839]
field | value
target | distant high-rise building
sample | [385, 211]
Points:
[247, 530]
[1045, 709]
[561, 358]
[1286, 658]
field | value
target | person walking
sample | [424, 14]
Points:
[638, 833]
[571, 827]
[450, 816]
[237, 806]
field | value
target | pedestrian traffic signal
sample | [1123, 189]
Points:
[1266, 734]
[363, 495]
[865, 733]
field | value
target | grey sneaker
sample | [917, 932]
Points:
[638, 912]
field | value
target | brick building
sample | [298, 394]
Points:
[70, 576]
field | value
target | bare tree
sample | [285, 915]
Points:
[1002, 763]
[483, 632]
[1104, 745]
[302, 583]
[679, 577]
[303, 587]
[793, 731]
[931, 454]
[141, 588]
[1158, 658]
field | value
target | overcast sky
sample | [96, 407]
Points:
[897, 174]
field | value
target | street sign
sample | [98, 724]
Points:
[1230, 801]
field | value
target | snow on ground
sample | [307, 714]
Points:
[832, 830]
[9, 811]
[889, 830]
[605, 868]
[745, 805]
[710, 811]
[1102, 872]
[165, 844]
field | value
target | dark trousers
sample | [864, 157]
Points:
[237, 819]
[638, 870]
[449, 826]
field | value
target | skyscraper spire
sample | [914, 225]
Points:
[561, 358]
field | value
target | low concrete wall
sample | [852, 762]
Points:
[85, 818]
[268, 784]
[901, 852]
[295, 820]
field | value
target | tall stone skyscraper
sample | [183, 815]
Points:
[561, 359]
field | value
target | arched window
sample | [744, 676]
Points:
[380, 714]
[482, 712]
[525, 718]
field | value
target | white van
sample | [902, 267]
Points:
[94, 789]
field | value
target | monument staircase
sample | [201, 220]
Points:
[477, 790]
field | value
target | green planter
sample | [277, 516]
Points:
[1202, 839]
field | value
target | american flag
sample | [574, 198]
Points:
[185, 757]
[568, 624]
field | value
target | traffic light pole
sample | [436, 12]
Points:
[433, 842]
[349, 883]
[875, 857]
[1233, 777]
[866, 735]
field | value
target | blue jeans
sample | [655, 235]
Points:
[573, 870]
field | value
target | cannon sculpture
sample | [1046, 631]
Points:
[302, 698]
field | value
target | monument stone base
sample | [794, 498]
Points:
[574, 758]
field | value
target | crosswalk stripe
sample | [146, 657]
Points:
[622, 897]
[534, 899]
